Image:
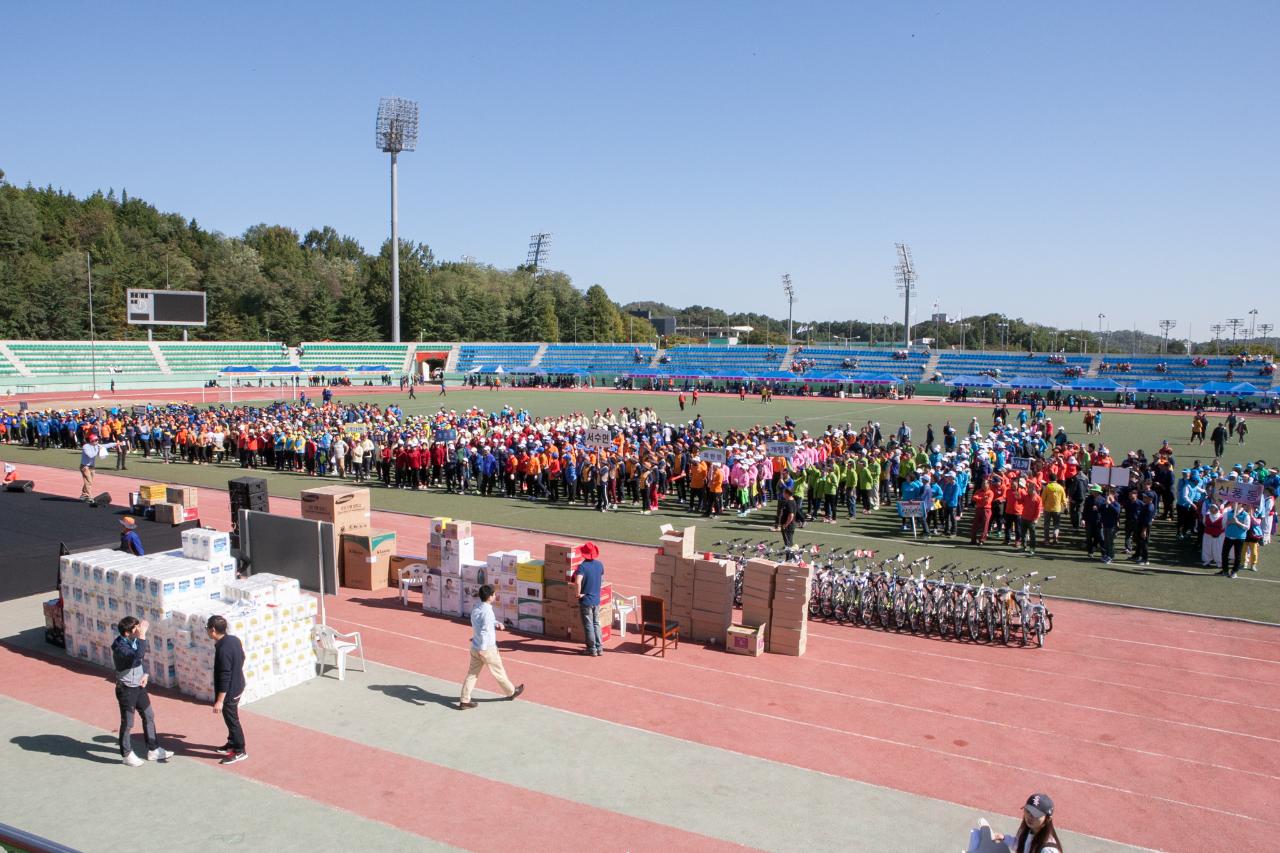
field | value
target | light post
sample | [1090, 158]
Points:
[1101, 346]
[790, 290]
[1004, 335]
[1265, 328]
[1166, 325]
[396, 131]
[1253, 322]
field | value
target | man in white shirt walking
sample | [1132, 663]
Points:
[89, 455]
[484, 651]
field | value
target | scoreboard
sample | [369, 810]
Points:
[166, 308]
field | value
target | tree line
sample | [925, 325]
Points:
[271, 282]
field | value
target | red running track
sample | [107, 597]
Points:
[1154, 729]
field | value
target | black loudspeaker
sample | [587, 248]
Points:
[20, 486]
[246, 493]
[103, 499]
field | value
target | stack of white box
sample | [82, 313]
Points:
[501, 575]
[177, 591]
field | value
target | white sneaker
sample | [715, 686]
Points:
[132, 760]
[158, 754]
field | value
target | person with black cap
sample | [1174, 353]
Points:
[1035, 834]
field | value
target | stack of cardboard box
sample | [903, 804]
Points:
[560, 593]
[529, 596]
[150, 494]
[345, 507]
[712, 599]
[501, 575]
[457, 548]
[758, 578]
[662, 581]
[367, 558]
[680, 605]
[179, 504]
[788, 625]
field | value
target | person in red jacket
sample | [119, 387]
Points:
[1013, 512]
[982, 499]
[1032, 503]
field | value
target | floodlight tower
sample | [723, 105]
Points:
[906, 274]
[1266, 328]
[397, 130]
[1217, 329]
[539, 249]
[790, 290]
[1166, 325]
[1235, 323]
[1253, 322]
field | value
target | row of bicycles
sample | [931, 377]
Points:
[851, 586]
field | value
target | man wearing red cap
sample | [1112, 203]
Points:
[89, 455]
[588, 577]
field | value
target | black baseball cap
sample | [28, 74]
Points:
[1040, 805]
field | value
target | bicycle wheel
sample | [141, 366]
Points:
[915, 617]
[1023, 627]
[899, 612]
[1002, 625]
[962, 616]
[1039, 631]
[884, 614]
[866, 609]
[973, 623]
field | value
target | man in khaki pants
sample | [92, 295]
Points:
[484, 651]
[89, 455]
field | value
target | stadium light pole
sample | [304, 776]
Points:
[396, 131]
[906, 275]
[1167, 325]
[93, 346]
[1253, 324]
[790, 290]
[1101, 347]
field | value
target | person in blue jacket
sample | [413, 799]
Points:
[130, 542]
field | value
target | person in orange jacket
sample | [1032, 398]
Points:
[1031, 506]
[715, 489]
[982, 500]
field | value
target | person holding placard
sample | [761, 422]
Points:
[1238, 522]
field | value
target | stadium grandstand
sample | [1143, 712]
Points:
[28, 366]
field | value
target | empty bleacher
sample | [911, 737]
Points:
[353, 355]
[596, 358]
[206, 359]
[471, 356]
[744, 359]
[74, 358]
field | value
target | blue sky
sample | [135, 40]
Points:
[1050, 162]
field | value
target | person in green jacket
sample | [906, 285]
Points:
[849, 485]
[830, 485]
[812, 474]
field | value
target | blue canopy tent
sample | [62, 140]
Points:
[1217, 386]
[329, 368]
[1245, 389]
[646, 373]
[778, 376]
[1043, 383]
[972, 381]
[687, 373]
[527, 371]
[243, 368]
[284, 368]
[1160, 386]
[830, 376]
[729, 376]
[1097, 384]
[491, 370]
[373, 368]
[880, 379]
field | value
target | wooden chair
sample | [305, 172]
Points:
[654, 623]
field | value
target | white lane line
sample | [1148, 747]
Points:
[1002, 765]
[1180, 649]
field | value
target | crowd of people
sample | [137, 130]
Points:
[1022, 480]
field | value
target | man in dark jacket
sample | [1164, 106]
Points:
[228, 685]
[129, 652]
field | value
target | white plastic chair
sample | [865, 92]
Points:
[411, 577]
[624, 606]
[331, 642]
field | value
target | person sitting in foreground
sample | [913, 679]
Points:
[1035, 833]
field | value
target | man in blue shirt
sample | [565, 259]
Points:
[130, 542]
[588, 577]
[484, 651]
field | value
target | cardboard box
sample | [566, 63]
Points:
[677, 541]
[433, 556]
[345, 507]
[531, 571]
[185, 495]
[153, 493]
[566, 552]
[525, 589]
[457, 530]
[661, 586]
[438, 525]
[169, 513]
[514, 557]
[431, 593]
[664, 564]
[744, 640]
[403, 561]
[366, 559]
[530, 625]
[786, 641]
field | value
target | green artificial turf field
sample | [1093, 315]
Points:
[1174, 581]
